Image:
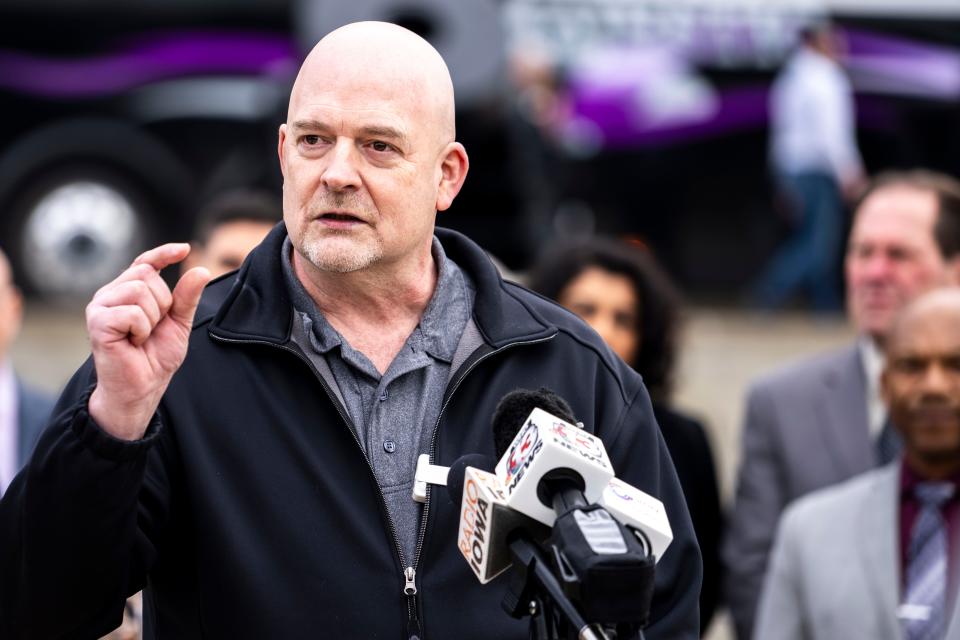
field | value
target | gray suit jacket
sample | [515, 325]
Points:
[33, 413]
[805, 428]
[834, 573]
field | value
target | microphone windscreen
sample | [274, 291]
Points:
[515, 407]
[458, 468]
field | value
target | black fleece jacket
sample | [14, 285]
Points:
[249, 509]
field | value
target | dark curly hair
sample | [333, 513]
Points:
[658, 301]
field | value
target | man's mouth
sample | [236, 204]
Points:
[339, 220]
[344, 217]
[936, 414]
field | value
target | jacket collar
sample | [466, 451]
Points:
[258, 308]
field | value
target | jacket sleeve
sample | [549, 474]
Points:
[640, 458]
[780, 611]
[760, 498]
[75, 536]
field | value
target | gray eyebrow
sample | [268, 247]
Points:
[378, 131]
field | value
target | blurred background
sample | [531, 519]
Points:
[646, 119]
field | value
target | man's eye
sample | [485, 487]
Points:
[910, 365]
[380, 146]
[899, 255]
[311, 139]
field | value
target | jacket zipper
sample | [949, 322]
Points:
[414, 629]
[433, 447]
[409, 573]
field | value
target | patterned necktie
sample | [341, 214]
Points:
[888, 444]
[927, 564]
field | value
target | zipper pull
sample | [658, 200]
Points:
[409, 586]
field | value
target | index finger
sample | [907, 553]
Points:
[164, 255]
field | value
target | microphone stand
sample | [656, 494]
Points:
[535, 591]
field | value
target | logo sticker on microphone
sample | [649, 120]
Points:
[578, 440]
[474, 524]
[521, 453]
[617, 490]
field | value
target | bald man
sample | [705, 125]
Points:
[878, 557]
[248, 455]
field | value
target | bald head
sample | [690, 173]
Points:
[935, 311]
[921, 382]
[385, 62]
[368, 156]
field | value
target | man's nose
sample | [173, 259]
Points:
[936, 380]
[877, 267]
[340, 173]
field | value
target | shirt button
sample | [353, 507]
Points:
[383, 396]
[389, 446]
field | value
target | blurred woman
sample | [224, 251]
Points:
[621, 292]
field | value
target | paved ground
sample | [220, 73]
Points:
[722, 351]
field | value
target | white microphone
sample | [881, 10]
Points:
[486, 523]
[641, 512]
[546, 443]
[495, 505]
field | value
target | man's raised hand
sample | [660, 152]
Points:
[139, 332]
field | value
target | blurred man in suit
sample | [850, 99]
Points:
[876, 557]
[23, 411]
[821, 421]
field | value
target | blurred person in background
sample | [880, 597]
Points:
[816, 165]
[625, 296]
[24, 411]
[820, 421]
[230, 227]
[876, 558]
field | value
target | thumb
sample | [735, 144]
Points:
[186, 295]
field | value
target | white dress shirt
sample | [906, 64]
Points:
[9, 427]
[872, 358]
[812, 123]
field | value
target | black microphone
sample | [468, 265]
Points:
[457, 473]
[514, 408]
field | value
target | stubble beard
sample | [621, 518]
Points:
[332, 250]
[339, 253]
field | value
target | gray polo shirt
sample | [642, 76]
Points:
[394, 413]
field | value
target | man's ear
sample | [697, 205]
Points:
[453, 171]
[281, 138]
